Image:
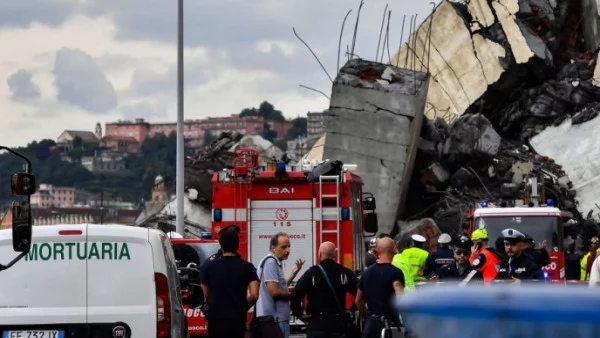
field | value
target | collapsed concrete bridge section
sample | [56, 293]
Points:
[375, 118]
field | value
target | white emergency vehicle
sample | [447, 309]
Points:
[92, 281]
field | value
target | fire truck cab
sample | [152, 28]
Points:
[310, 210]
[543, 223]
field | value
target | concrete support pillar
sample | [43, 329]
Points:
[374, 121]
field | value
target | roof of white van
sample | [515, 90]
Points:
[121, 230]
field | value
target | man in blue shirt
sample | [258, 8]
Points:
[274, 297]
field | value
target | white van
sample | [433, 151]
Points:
[92, 281]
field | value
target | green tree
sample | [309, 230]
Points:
[298, 128]
[266, 111]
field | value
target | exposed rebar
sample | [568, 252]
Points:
[313, 53]
[340, 40]
[414, 66]
[408, 42]
[356, 27]
[315, 90]
[381, 31]
[400, 44]
[387, 34]
[430, 28]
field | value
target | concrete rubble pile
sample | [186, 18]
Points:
[524, 64]
[208, 160]
[461, 164]
[502, 72]
[219, 155]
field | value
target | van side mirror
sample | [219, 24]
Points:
[369, 202]
[21, 226]
[22, 184]
[371, 222]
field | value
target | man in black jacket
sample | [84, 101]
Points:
[517, 266]
[540, 256]
[326, 310]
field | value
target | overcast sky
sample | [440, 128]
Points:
[67, 64]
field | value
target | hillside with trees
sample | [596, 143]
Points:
[157, 157]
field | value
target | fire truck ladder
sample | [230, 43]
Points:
[335, 213]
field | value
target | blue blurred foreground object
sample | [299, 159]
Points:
[506, 311]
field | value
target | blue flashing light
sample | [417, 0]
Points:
[345, 213]
[280, 167]
[206, 235]
[545, 274]
[217, 215]
[549, 202]
[484, 204]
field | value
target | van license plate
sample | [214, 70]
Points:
[34, 334]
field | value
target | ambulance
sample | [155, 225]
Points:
[91, 280]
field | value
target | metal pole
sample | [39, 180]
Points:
[179, 224]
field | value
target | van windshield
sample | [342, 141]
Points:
[196, 253]
[540, 228]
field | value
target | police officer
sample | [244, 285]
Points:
[442, 256]
[518, 266]
[460, 268]
[326, 286]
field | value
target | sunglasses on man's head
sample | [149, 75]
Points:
[462, 252]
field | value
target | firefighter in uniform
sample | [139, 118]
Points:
[483, 258]
[326, 286]
[518, 266]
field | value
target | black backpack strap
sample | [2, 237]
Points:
[340, 307]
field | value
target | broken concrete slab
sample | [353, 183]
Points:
[523, 43]
[434, 174]
[590, 24]
[471, 136]
[481, 13]
[462, 64]
[575, 147]
[461, 178]
[376, 125]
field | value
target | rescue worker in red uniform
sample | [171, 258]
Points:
[484, 259]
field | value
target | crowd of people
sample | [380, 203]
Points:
[232, 286]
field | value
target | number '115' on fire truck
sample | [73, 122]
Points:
[310, 208]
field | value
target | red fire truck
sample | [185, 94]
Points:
[541, 223]
[190, 254]
[311, 210]
[536, 217]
